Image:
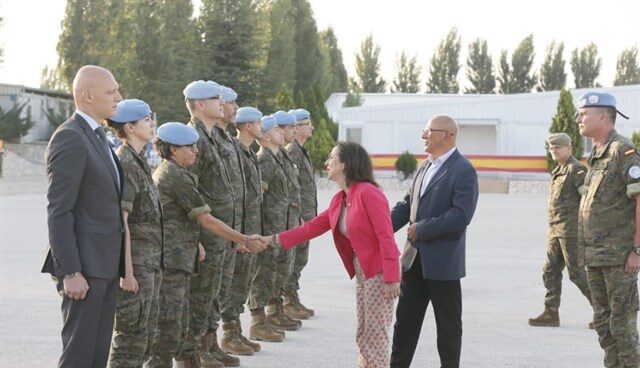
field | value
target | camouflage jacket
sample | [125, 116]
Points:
[567, 182]
[182, 203]
[142, 200]
[213, 184]
[229, 152]
[275, 197]
[306, 179]
[607, 210]
[293, 174]
[253, 200]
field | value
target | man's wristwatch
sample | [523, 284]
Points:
[71, 275]
[635, 250]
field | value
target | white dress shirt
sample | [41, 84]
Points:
[94, 125]
[436, 164]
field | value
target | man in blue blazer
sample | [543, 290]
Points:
[439, 206]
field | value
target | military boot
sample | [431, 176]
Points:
[254, 345]
[310, 311]
[215, 354]
[231, 341]
[548, 318]
[279, 319]
[261, 329]
[293, 308]
[185, 361]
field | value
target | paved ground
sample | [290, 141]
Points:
[503, 288]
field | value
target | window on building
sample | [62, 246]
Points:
[354, 135]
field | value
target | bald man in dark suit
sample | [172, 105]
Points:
[85, 255]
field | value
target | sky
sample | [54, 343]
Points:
[31, 28]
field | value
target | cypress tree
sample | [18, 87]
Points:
[480, 68]
[336, 74]
[552, 74]
[523, 78]
[445, 65]
[368, 67]
[407, 75]
[564, 122]
[627, 68]
[585, 66]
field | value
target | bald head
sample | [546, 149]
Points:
[445, 122]
[95, 92]
[440, 134]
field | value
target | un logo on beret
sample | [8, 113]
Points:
[593, 99]
[634, 172]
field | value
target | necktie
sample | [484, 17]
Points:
[103, 140]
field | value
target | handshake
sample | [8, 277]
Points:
[256, 243]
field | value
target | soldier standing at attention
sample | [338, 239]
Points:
[248, 126]
[609, 229]
[205, 105]
[308, 207]
[275, 205]
[286, 258]
[137, 304]
[567, 181]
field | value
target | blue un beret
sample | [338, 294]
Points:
[268, 122]
[284, 119]
[247, 114]
[131, 110]
[201, 90]
[178, 134]
[228, 94]
[598, 99]
[300, 114]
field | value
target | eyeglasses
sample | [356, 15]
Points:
[425, 131]
[192, 147]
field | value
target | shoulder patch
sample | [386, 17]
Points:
[628, 152]
[634, 172]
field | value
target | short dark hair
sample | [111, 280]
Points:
[357, 163]
[163, 148]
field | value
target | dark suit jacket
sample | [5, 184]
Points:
[86, 232]
[444, 211]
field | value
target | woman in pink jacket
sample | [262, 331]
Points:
[358, 217]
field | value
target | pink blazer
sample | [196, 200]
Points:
[370, 232]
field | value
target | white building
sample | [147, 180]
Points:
[38, 102]
[492, 127]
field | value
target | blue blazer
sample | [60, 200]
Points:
[444, 212]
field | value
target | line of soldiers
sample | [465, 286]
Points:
[594, 230]
[188, 261]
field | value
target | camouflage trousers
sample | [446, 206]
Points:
[204, 289]
[264, 278]
[243, 273]
[563, 252]
[614, 294]
[136, 320]
[226, 279]
[284, 261]
[173, 318]
[300, 261]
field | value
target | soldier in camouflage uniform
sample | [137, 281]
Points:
[186, 217]
[137, 308]
[567, 181]
[205, 106]
[286, 258]
[275, 208]
[609, 229]
[309, 210]
[248, 126]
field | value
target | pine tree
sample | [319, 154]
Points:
[564, 122]
[407, 75]
[14, 124]
[320, 145]
[523, 79]
[310, 63]
[585, 66]
[231, 46]
[284, 100]
[480, 68]
[336, 79]
[627, 68]
[353, 95]
[504, 74]
[552, 74]
[369, 79]
[280, 71]
[445, 65]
